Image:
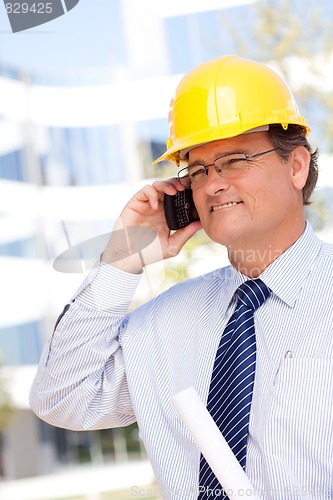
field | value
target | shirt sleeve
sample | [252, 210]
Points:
[81, 379]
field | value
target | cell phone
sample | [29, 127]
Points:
[179, 209]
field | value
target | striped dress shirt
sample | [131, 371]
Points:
[104, 367]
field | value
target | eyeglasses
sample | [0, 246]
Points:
[228, 166]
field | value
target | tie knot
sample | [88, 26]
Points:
[253, 293]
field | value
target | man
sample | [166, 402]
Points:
[241, 143]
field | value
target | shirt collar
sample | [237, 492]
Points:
[286, 273]
[236, 278]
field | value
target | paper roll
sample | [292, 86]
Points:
[213, 446]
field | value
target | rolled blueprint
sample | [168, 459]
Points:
[213, 446]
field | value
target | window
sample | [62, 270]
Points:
[20, 344]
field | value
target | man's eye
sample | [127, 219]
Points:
[232, 162]
[235, 160]
[196, 171]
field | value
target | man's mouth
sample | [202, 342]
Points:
[225, 205]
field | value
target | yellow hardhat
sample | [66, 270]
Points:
[226, 97]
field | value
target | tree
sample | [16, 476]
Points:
[296, 40]
[6, 414]
[300, 43]
[6, 406]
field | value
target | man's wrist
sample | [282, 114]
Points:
[111, 289]
[132, 264]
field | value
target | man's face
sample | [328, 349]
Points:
[260, 207]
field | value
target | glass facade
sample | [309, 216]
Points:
[12, 167]
[83, 156]
[64, 180]
[21, 344]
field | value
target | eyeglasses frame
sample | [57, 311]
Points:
[219, 170]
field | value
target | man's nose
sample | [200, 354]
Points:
[215, 180]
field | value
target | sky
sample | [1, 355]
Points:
[83, 37]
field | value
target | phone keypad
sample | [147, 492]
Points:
[183, 209]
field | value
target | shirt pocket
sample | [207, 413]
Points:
[301, 411]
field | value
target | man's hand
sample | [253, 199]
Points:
[145, 210]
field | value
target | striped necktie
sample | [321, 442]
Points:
[231, 386]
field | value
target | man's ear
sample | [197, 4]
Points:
[300, 166]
